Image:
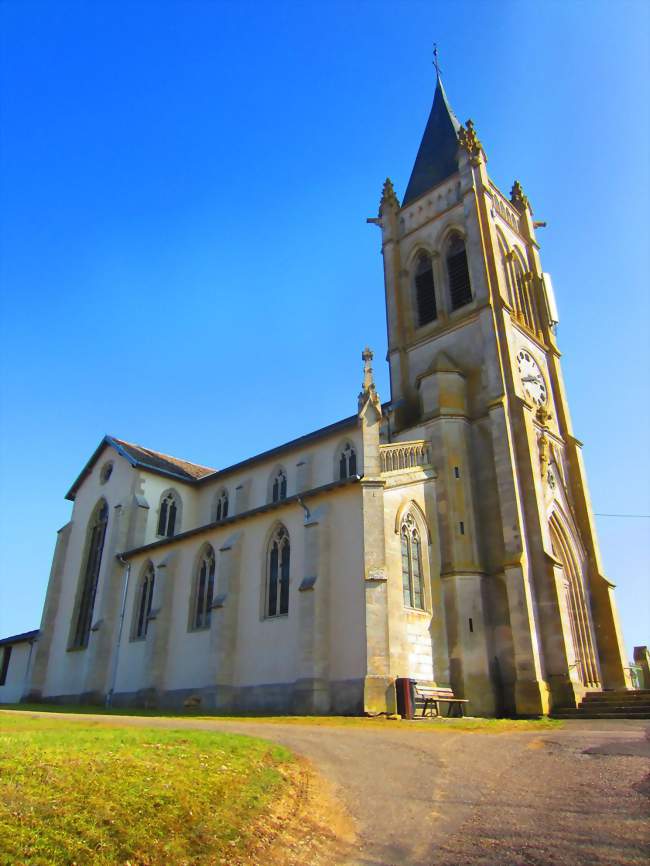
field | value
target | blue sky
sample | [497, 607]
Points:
[185, 261]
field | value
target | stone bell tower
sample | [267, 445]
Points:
[475, 369]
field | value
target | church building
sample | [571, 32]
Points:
[444, 535]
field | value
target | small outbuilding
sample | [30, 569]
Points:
[15, 660]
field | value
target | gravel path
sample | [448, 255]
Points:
[575, 795]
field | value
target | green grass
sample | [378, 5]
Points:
[377, 723]
[91, 792]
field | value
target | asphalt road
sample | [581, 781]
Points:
[575, 795]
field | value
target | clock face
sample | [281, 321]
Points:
[531, 378]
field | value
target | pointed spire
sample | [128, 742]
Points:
[436, 159]
[368, 389]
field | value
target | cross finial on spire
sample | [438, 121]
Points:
[435, 60]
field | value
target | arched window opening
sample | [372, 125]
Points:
[348, 462]
[145, 598]
[221, 510]
[425, 293]
[167, 516]
[204, 589]
[279, 490]
[412, 581]
[460, 289]
[96, 536]
[279, 556]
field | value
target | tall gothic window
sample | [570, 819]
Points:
[221, 509]
[204, 589]
[348, 462]
[425, 294]
[168, 515]
[279, 554]
[95, 547]
[460, 289]
[145, 598]
[412, 581]
[279, 489]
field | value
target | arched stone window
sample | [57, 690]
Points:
[221, 506]
[347, 462]
[95, 537]
[204, 589]
[412, 579]
[144, 599]
[278, 564]
[279, 486]
[460, 289]
[169, 514]
[425, 294]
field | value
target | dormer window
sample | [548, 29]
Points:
[425, 295]
[279, 488]
[460, 289]
[348, 462]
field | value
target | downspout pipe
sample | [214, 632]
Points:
[116, 653]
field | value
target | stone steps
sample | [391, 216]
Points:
[616, 704]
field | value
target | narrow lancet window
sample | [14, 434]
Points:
[145, 599]
[279, 490]
[95, 542]
[348, 462]
[412, 580]
[279, 557]
[425, 294]
[167, 515]
[221, 510]
[204, 589]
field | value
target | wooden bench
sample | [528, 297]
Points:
[430, 697]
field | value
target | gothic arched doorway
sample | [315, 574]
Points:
[577, 605]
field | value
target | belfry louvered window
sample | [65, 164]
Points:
[412, 581]
[279, 557]
[95, 547]
[204, 590]
[145, 598]
[425, 294]
[460, 289]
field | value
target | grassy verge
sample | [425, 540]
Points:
[100, 793]
[378, 723]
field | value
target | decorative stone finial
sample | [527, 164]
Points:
[517, 197]
[368, 389]
[388, 196]
[469, 140]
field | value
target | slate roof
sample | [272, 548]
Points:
[184, 470]
[137, 455]
[163, 462]
[436, 159]
[20, 638]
